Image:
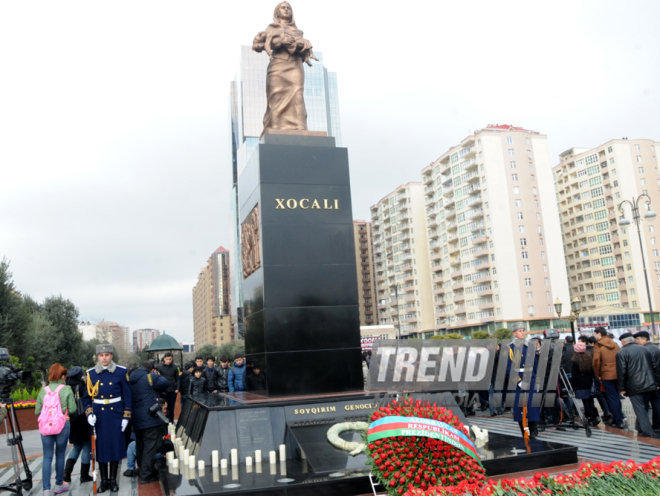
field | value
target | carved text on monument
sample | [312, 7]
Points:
[306, 203]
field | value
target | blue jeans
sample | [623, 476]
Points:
[49, 443]
[85, 448]
[131, 454]
[613, 401]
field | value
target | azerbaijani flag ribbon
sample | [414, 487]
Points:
[394, 426]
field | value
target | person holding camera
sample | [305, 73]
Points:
[148, 425]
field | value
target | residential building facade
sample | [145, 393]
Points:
[494, 237]
[112, 332]
[211, 302]
[401, 260]
[364, 262]
[142, 338]
[604, 260]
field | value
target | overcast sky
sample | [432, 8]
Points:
[114, 129]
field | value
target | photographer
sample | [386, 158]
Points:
[169, 371]
[149, 428]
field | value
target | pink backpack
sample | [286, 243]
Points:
[51, 419]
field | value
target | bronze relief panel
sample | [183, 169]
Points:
[250, 248]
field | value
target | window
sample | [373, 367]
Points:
[655, 253]
[604, 238]
[545, 268]
[609, 149]
[525, 268]
[657, 265]
[527, 141]
[528, 282]
[530, 295]
[529, 153]
[596, 192]
[639, 158]
[641, 170]
[516, 190]
[520, 215]
[509, 140]
[609, 273]
[513, 165]
[547, 283]
[643, 181]
[511, 152]
[542, 254]
[611, 284]
[514, 177]
[652, 241]
[523, 242]
[607, 261]
[538, 216]
[636, 148]
[612, 296]
[530, 309]
[525, 255]
[651, 229]
[518, 203]
[531, 166]
[534, 191]
[521, 229]
[540, 230]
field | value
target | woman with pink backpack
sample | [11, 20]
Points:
[54, 404]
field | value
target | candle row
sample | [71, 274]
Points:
[185, 458]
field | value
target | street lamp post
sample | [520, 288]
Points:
[576, 307]
[623, 222]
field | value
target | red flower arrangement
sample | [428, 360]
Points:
[410, 463]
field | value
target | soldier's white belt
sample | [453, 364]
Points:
[107, 402]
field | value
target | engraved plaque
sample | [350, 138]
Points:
[250, 249]
[254, 430]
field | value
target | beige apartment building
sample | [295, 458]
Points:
[364, 261]
[494, 238]
[401, 261]
[603, 260]
[211, 311]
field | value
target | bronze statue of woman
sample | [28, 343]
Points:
[285, 80]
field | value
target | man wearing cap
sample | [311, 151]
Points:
[236, 380]
[643, 338]
[637, 378]
[516, 367]
[107, 402]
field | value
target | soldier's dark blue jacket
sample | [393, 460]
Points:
[111, 405]
[144, 395]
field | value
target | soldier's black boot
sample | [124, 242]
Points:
[105, 483]
[84, 473]
[114, 466]
[533, 430]
[68, 468]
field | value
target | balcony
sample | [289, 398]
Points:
[460, 311]
[438, 291]
[436, 256]
[455, 261]
[457, 287]
[485, 292]
[487, 306]
[454, 248]
[440, 315]
[409, 278]
[482, 279]
[472, 165]
[479, 239]
[410, 298]
[365, 271]
[486, 320]
[459, 298]
[456, 274]
[477, 213]
[450, 213]
[437, 278]
[480, 253]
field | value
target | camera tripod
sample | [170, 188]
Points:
[568, 396]
[15, 442]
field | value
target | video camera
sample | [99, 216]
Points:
[156, 410]
[8, 375]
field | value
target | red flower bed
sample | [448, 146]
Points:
[407, 463]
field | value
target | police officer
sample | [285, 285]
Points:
[516, 366]
[107, 403]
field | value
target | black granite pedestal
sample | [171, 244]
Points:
[300, 281]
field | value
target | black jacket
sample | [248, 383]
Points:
[171, 373]
[655, 354]
[221, 376]
[81, 432]
[580, 380]
[567, 357]
[184, 381]
[210, 374]
[635, 373]
[197, 386]
[256, 382]
[145, 394]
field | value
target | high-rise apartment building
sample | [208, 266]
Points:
[211, 302]
[142, 338]
[88, 330]
[248, 106]
[112, 332]
[401, 260]
[494, 238]
[364, 261]
[603, 260]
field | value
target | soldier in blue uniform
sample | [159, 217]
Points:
[516, 366]
[107, 403]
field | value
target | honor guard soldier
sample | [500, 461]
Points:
[516, 366]
[107, 403]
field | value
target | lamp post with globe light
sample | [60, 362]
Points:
[576, 307]
[623, 222]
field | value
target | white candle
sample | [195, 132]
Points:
[282, 452]
[223, 470]
[234, 457]
[214, 458]
[248, 461]
[200, 465]
[223, 463]
[191, 462]
[273, 457]
[181, 449]
[175, 464]
[170, 456]
[186, 456]
[257, 456]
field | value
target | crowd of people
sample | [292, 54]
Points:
[127, 410]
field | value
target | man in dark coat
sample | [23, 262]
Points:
[567, 355]
[184, 381]
[516, 367]
[146, 387]
[222, 375]
[169, 371]
[107, 403]
[210, 374]
[637, 378]
[197, 383]
[643, 338]
[256, 381]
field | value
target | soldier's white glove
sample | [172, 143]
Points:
[124, 423]
[91, 419]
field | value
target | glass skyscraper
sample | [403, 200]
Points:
[248, 106]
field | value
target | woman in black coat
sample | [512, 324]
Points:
[81, 434]
[582, 380]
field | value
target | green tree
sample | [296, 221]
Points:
[45, 342]
[206, 351]
[63, 315]
[480, 335]
[230, 349]
[502, 333]
[14, 316]
[448, 336]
